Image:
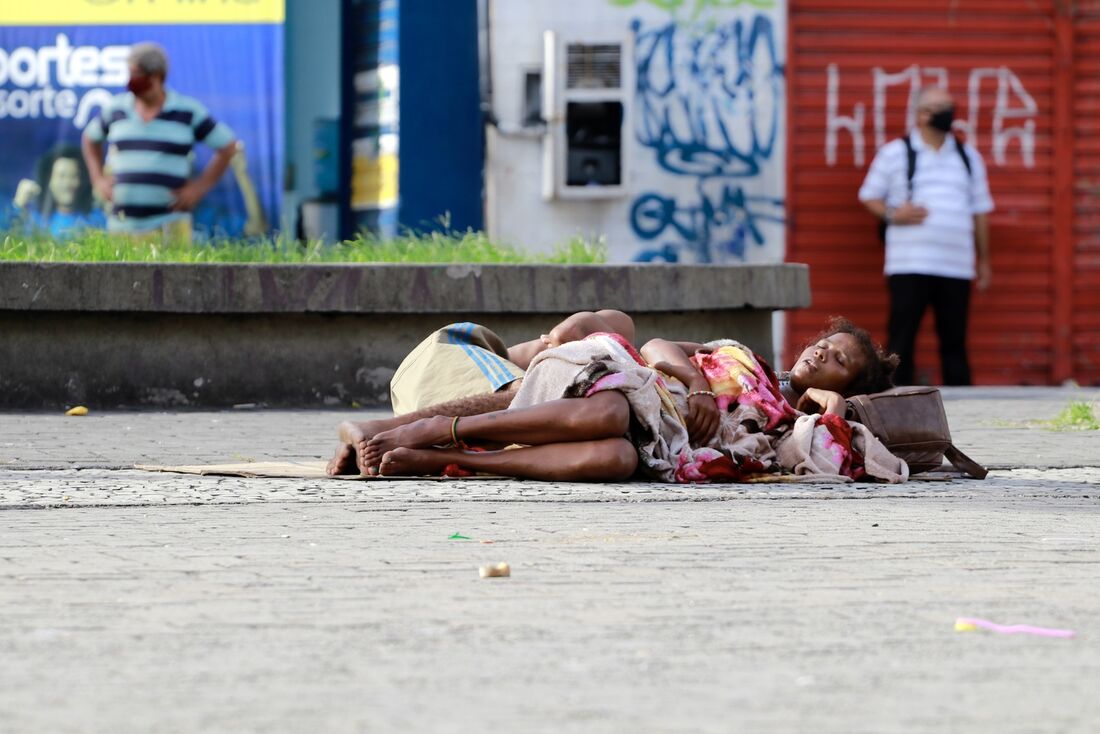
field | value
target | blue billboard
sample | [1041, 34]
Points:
[54, 80]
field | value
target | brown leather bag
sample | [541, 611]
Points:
[912, 424]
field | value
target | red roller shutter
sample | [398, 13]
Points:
[998, 57]
[1086, 193]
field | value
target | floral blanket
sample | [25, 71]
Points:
[759, 431]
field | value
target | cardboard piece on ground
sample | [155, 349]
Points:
[316, 470]
[278, 470]
[795, 479]
[938, 476]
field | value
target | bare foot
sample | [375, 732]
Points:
[406, 462]
[343, 461]
[421, 434]
[356, 435]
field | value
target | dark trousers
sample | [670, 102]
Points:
[910, 296]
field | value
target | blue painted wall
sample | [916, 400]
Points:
[441, 145]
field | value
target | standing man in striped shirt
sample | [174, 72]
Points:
[931, 191]
[150, 132]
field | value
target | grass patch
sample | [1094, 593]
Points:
[431, 247]
[1077, 416]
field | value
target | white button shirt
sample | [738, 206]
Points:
[943, 244]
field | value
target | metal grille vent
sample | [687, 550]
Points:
[593, 66]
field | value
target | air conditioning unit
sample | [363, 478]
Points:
[585, 86]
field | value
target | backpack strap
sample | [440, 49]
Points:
[911, 161]
[911, 168]
[911, 165]
[964, 463]
[962, 154]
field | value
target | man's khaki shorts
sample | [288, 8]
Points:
[457, 361]
[175, 231]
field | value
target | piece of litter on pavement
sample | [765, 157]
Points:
[459, 536]
[486, 542]
[77, 410]
[971, 624]
[495, 570]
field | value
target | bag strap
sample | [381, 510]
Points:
[911, 161]
[964, 463]
[963, 155]
[911, 165]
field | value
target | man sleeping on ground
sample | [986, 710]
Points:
[464, 369]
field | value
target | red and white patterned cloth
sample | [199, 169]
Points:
[755, 418]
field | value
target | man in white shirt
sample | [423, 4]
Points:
[935, 223]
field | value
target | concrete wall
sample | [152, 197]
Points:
[220, 360]
[129, 334]
[703, 127]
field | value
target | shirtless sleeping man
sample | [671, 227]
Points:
[462, 370]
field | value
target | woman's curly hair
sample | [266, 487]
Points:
[880, 365]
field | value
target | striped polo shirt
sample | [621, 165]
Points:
[149, 160]
[943, 244]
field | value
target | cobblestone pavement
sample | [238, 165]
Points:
[133, 601]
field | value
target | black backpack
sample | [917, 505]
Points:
[911, 168]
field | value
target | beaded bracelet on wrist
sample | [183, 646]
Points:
[693, 393]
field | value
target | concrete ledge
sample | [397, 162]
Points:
[386, 288]
[134, 335]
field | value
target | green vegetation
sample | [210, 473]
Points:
[1077, 416]
[432, 247]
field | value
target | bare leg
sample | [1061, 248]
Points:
[472, 405]
[603, 460]
[617, 322]
[354, 435]
[573, 328]
[604, 415]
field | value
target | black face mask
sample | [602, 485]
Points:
[942, 119]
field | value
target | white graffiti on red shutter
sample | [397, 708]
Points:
[1013, 118]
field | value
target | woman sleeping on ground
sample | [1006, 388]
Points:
[597, 410]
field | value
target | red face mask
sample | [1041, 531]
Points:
[139, 85]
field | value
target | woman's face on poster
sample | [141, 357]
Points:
[64, 182]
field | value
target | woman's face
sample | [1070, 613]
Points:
[64, 182]
[832, 363]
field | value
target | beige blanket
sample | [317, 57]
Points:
[805, 449]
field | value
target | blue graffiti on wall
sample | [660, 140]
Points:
[718, 226]
[708, 106]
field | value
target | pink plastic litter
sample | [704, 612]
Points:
[965, 624]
